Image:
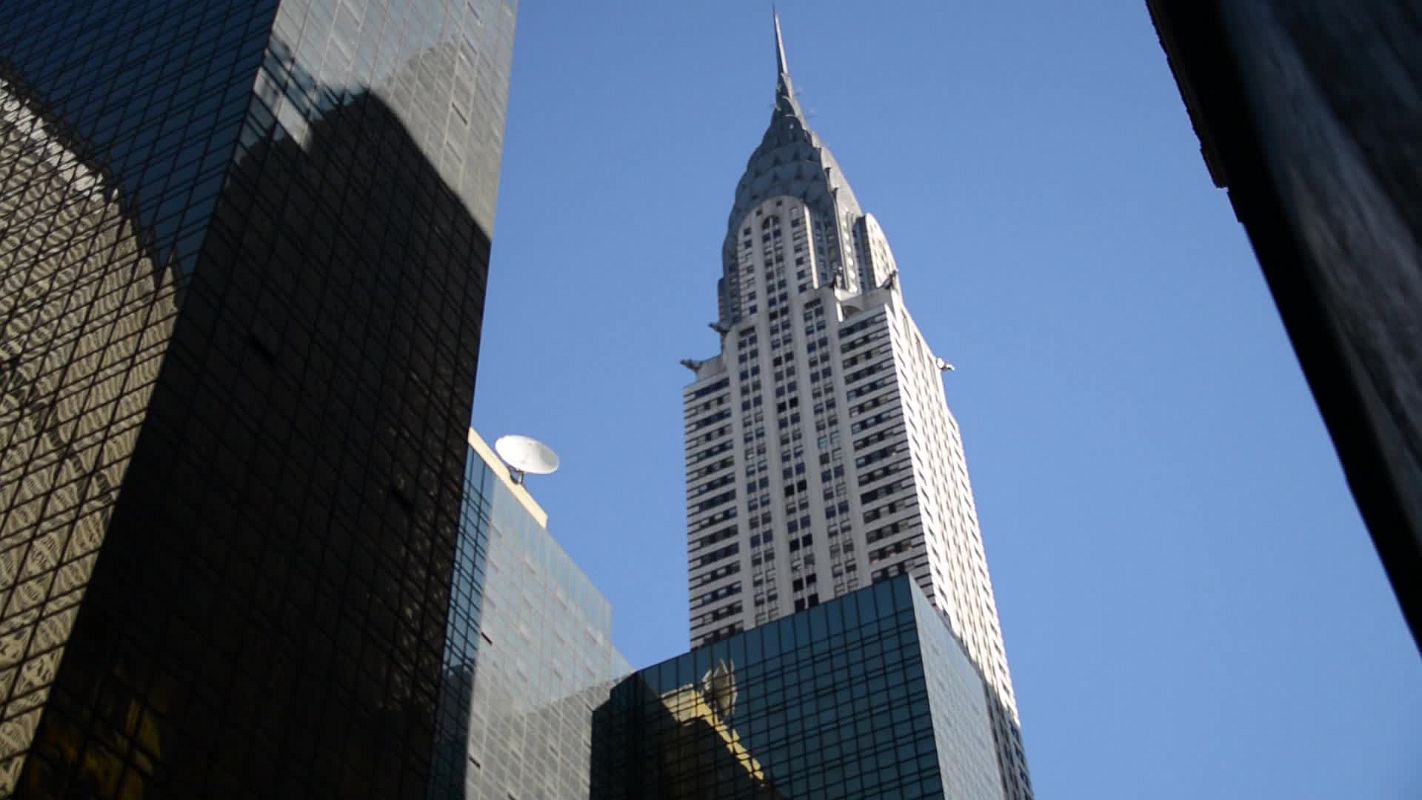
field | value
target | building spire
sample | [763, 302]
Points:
[782, 68]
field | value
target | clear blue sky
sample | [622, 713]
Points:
[1191, 604]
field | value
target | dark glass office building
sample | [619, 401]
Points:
[243, 249]
[866, 696]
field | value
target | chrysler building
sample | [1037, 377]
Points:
[820, 452]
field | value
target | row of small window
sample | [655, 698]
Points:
[723, 632]
[704, 422]
[887, 415]
[900, 568]
[865, 372]
[870, 387]
[757, 540]
[804, 542]
[710, 452]
[709, 389]
[713, 502]
[755, 434]
[711, 520]
[825, 374]
[720, 613]
[716, 555]
[873, 353]
[761, 520]
[891, 550]
[888, 509]
[688, 410]
[729, 568]
[710, 597]
[859, 326]
[710, 469]
[848, 346]
[846, 565]
[708, 437]
[886, 471]
[696, 491]
[886, 490]
[859, 410]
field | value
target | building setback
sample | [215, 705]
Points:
[821, 455]
[243, 250]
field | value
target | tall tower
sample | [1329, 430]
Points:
[820, 451]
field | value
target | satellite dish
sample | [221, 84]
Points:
[526, 456]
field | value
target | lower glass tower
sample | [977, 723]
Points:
[868, 695]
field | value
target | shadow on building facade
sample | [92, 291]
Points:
[235, 398]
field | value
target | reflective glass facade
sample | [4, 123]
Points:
[528, 656]
[243, 249]
[866, 696]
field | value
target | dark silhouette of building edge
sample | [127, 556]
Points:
[1309, 115]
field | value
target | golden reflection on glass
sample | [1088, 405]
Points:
[85, 315]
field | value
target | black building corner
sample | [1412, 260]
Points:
[1310, 115]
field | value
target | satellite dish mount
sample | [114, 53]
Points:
[524, 455]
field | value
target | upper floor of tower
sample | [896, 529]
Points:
[848, 249]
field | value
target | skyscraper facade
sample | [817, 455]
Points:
[243, 249]
[821, 455]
